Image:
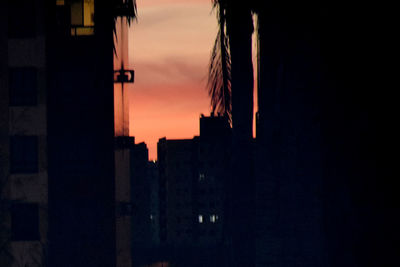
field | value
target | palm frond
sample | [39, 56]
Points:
[219, 74]
[124, 8]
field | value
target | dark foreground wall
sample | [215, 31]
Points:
[322, 201]
[80, 141]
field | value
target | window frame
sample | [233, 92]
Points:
[21, 163]
[25, 216]
[23, 86]
[21, 29]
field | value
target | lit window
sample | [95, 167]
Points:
[200, 218]
[213, 218]
[202, 176]
[82, 17]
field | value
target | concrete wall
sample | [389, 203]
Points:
[25, 121]
[5, 259]
[123, 197]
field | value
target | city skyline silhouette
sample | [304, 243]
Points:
[87, 91]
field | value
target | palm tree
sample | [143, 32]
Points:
[231, 89]
[124, 8]
[326, 114]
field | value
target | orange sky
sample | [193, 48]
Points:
[169, 49]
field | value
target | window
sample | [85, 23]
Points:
[82, 17]
[202, 176]
[25, 222]
[23, 86]
[75, 17]
[200, 218]
[24, 154]
[21, 18]
[213, 218]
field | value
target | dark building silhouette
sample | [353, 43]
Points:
[192, 175]
[80, 134]
[145, 207]
[57, 133]
[321, 200]
[23, 134]
[152, 173]
[140, 198]
[124, 145]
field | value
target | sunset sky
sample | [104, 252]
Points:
[169, 49]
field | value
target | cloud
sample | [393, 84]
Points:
[157, 3]
[171, 70]
[169, 49]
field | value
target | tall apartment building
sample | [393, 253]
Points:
[138, 204]
[23, 134]
[141, 198]
[192, 175]
[57, 163]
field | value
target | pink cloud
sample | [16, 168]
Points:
[147, 3]
[169, 50]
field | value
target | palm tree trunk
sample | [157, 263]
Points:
[240, 29]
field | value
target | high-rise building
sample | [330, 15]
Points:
[23, 134]
[142, 232]
[57, 132]
[193, 175]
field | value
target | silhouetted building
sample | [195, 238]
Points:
[57, 133]
[141, 237]
[192, 179]
[124, 146]
[145, 200]
[23, 134]
[321, 200]
[152, 173]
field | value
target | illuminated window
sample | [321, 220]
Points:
[200, 218]
[213, 218]
[202, 176]
[82, 17]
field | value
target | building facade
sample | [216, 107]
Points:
[58, 169]
[23, 137]
[193, 176]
